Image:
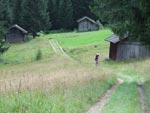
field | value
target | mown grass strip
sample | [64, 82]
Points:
[124, 100]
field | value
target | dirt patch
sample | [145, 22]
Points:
[142, 98]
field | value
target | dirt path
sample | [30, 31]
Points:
[142, 98]
[97, 108]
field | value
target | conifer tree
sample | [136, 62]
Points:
[17, 12]
[82, 8]
[66, 14]
[53, 9]
[4, 17]
[35, 16]
[4, 20]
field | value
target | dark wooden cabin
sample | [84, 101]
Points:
[123, 49]
[87, 24]
[16, 34]
[114, 43]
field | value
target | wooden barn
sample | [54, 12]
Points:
[114, 42]
[124, 49]
[16, 34]
[87, 24]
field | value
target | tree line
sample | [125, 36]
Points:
[37, 15]
[132, 16]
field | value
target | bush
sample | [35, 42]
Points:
[38, 55]
[29, 37]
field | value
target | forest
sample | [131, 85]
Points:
[43, 15]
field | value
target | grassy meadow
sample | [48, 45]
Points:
[26, 52]
[56, 84]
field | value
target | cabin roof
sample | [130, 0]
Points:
[19, 28]
[115, 38]
[86, 18]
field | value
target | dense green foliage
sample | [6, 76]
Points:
[3, 46]
[4, 20]
[43, 15]
[126, 15]
[35, 16]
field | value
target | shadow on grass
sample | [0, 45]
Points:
[110, 61]
[2, 61]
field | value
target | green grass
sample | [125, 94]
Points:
[75, 39]
[26, 52]
[147, 92]
[67, 100]
[124, 100]
[75, 98]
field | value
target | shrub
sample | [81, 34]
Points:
[38, 55]
[29, 37]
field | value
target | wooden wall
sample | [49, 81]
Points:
[15, 36]
[86, 25]
[128, 50]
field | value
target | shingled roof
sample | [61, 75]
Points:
[85, 17]
[19, 28]
[115, 38]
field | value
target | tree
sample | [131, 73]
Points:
[82, 8]
[53, 9]
[4, 12]
[65, 14]
[17, 12]
[126, 15]
[35, 16]
[3, 46]
[4, 21]
[61, 13]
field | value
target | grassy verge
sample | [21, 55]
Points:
[147, 91]
[124, 100]
[26, 52]
[73, 99]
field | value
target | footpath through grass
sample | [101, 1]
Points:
[124, 100]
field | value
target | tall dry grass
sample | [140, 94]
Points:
[48, 73]
[51, 86]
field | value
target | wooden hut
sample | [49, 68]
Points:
[114, 42]
[122, 49]
[87, 24]
[16, 34]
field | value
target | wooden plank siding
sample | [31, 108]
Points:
[86, 25]
[128, 50]
[16, 34]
